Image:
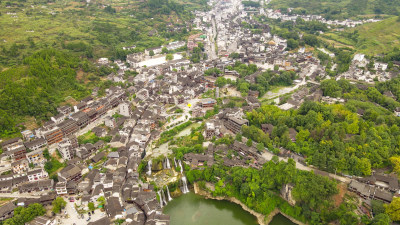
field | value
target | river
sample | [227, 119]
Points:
[192, 209]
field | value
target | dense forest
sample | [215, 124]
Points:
[37, 87]
[352, 138]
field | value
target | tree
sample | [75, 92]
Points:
[164, 50]
[102, 201]
[58, 204]
[395, 160]
[91, 206]
[381, 219]
[220, 82]
[249, 142]
[151, 53]
[169, 57]
[46, 154]
[109, 9]
[331, 88]
[393, 209]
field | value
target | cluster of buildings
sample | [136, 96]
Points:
[277, 14]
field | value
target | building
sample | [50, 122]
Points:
[35, 144]
[36, 157]
[37, 174]
[12, 143]
[7, 211]
[81, 118]
[20, 166]
[68, 127]
[40, 185]
[70, 173]
[125, 109]
[207, 102]
[43, 220]
[53, 135]
[61, 188]
[235, 124]
[66, 150]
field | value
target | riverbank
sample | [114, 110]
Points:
[261, 219]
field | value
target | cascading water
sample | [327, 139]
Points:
[168, 164]
[185, 188]
[169, 196]
[163, 196]
[161, 200]
[176, 165]
[149, 168]
[180, 165]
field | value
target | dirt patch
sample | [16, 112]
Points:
[338, 199]
[69, 101]
[30, 123]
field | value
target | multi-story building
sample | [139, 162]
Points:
[36, 144]
[81, 118]
[66, 150]
[53, 135]
[70, 173]
[68, 127]
[37, 174]
[235, 124]
[61, 188]
[125, 109]
[36, 157]
[20, 166]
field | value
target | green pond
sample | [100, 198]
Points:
[192, 209]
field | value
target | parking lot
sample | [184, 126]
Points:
[70, 216]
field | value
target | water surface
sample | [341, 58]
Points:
[192, 209]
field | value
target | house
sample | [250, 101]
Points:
[110, 122]
[36, 157]
[20, 166]
[53, 135]
[99, 131]
[7, 211]
[36, 144]
[397, 111]
[207, 102]
[66, 150]
[267, 128]
[61, 188]
[43, 220]
[125, 109]
[114, 208]
[41, 185]
[12, 143]
[235, 124]
[68, 127]
[64, 109]
[70, 173]
[37, 174]
[81, 118]
[102, 221]
[292, 134]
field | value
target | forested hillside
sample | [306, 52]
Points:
[95, 29]
[340, 9]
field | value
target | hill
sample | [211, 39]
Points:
[371, 38]
[340, 9]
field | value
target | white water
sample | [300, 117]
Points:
[175, 162]
[180, 164]
[161, 200]
[169, 196]
[185, 188]
[168, 164]
[163, 197]
[149, 168]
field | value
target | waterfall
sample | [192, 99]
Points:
[185, 188]
[180, 164]
[168, 164]
[161, 200]
[149, 168]
[163, 196]
[169, 196]
[175, 162]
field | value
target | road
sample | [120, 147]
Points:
[283, 91]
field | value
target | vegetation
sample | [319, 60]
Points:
[24, 215]
[58, 204]
[338, 9]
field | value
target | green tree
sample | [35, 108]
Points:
[151, 53]
[393, 209]
[91, 206]
[381, 219]
[169, 57]
[58, 204]
[164, 50]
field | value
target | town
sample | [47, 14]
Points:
[97, 150]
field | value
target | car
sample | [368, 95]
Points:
[88, 219]
[93, 212]
[89, 214]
